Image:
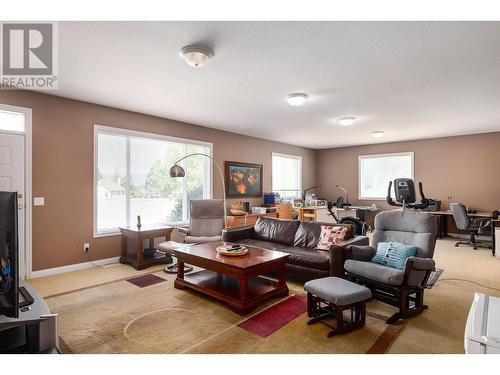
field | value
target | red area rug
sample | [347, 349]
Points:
[146, 280]
[269, 321]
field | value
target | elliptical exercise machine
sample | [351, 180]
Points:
[406, 197]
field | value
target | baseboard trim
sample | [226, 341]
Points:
[73, 267]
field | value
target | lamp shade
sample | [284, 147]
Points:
[177, 171]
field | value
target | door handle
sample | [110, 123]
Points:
[20, 206]
[19, 195]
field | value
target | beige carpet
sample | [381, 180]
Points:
[102, 313]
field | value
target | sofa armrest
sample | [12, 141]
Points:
[417, 271]
[237, 234]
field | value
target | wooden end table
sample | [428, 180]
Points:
[236, 281]
[135, 255]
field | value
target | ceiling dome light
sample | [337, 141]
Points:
[296, 99]
[378, 134]
[196, 56]
[346, 121]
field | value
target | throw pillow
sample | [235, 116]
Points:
[394, 254]
[330, 235]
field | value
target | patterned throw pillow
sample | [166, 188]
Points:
[393, 254]
[330, 234]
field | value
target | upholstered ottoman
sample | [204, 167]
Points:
[330, 297]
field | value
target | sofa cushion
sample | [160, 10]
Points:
[275, 230]
[301, 256]
[309, 232]
[376, 272]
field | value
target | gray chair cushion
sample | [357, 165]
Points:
[337, 291]
[375, 272]
[407, 227]
[202, 239]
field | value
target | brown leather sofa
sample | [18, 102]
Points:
[299, 239]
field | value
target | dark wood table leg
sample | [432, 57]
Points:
[283, 288]
[243, 289]
[493, 226]
[445, 225]
[124, 249]
[180, 274]
[140, 254]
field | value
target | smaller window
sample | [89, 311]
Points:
[375, 172]
[287, 175]
[12, 121]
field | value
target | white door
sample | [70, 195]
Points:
[12, 179]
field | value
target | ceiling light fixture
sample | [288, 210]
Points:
[196, 56]
[296, 99]
[378, 134]
[346, 121]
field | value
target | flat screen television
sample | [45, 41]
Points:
[12, 297]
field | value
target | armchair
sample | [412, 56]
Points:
[402, 288]
[205, 225]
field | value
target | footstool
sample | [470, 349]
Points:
[330, 297]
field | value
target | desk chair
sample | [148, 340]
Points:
[474, 226]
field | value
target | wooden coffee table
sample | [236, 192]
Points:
[236, 281]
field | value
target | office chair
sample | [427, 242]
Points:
[474, 226]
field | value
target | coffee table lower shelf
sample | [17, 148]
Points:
[228, 289]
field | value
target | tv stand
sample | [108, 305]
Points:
[35, 331]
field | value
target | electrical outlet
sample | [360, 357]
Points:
[86, 247]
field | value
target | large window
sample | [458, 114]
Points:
[287, 175]
[375, 172]
[131, 178]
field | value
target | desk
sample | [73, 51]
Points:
[443, 220]
[240, 221]
[443, 224]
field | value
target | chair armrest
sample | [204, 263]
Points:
[481, 222]
[337, 258]
[418, 270]
[237, 234]
[184, 230]
[179, 234]
[362, 253]
[422, 264]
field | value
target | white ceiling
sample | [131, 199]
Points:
[411, 79]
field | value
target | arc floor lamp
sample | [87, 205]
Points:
[177, 171]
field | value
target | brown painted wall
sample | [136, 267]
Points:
[465, 167]
[63, 162]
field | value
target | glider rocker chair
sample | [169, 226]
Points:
[402, 288]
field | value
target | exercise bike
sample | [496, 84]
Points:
[404, 189]
[359, 225]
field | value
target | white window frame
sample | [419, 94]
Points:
[299, 158]
[377, 156]
[134, 133]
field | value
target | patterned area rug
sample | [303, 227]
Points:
[119, 317]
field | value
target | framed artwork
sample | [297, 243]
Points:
[243, 180]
